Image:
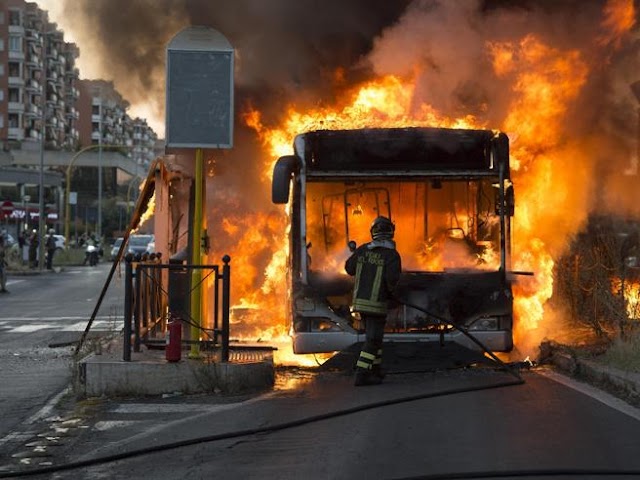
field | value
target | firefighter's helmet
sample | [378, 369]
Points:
[382, 228]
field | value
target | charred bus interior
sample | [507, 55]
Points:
[452, 209]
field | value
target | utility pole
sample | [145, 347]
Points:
[99, 225]
[43, 135]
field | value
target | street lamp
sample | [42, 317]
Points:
[67, 204]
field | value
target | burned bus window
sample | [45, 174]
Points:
[440, 224]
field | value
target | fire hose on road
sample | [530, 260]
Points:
[286, 425]
[509, 368]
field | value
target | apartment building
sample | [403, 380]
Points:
[39, 78]
[43, 103]
[103, 119]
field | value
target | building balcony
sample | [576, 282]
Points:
[32, 111]
[33, 86]
[32, 35]
[15, 107]
[16, 81]
[16, 55]
[33, 134]
[16, 29]
[15, 133]
[34, 63]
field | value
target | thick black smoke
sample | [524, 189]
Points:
[282, 46]
[289, 50]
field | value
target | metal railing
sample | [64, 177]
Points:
[154, 292]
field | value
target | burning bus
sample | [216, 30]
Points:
[449, 193]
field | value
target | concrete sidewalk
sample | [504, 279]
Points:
[149, 373]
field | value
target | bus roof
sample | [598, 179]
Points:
[397, 149]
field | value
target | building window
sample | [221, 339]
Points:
[14, 69]
[15, 43]
[14, 95]
[14, 17]
[1, 120]
[1, 44]
[1, 95]
[14, 120]
[1, 18]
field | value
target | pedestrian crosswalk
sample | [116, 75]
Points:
[59, 324]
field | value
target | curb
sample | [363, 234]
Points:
[623, 384]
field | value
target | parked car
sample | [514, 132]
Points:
[61, 242]
[115, 248]
[138, 244]
[9, 241]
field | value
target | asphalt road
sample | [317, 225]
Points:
[42, 313]
[313, 425]
[418, 425]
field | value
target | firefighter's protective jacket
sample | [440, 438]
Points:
[376, 266]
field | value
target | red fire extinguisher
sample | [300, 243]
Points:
[173, 348]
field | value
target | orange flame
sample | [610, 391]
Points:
[631, 296]
[544, 83]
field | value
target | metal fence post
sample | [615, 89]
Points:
[128, 309]
[226, 283]
[137, 306]
[216, 306]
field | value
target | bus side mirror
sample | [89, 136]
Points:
[352, 246]
[283, 171]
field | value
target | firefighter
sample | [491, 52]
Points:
[376, 266]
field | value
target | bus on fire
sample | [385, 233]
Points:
[449, 193]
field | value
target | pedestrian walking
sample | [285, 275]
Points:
[51, 248]
[34, 242]
[3, 264]
[376, 266]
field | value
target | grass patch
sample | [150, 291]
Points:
[70, 256]
[624, 354]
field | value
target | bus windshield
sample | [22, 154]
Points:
[441, 225]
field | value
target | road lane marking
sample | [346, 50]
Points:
[53, 326]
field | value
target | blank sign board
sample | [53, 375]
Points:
[199, 90]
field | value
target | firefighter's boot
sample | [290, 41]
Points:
[376, 368]
[366, 377]
[364, 369]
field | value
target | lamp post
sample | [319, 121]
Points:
[43, 136]
[67, 204]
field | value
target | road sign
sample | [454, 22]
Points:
[199, 92]
[7, 208]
